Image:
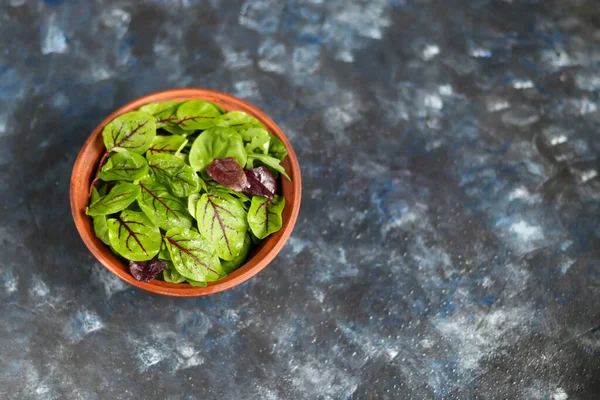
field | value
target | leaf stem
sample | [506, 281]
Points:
[100, 165]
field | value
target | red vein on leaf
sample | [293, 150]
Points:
[188, 252]
[131, 233]
[156, 198]
[218, 217]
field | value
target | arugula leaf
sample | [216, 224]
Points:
[216, 142]
[121, 196]
[133, 236]
[197, 114]
[124, 165]
[268, 161]
[192, 255]
[99, 221]
[264, 216]
[171, 144]
[277, 148]
[133, 131]
[240, 259]
[161, 207]
[175, 173]
[222, 221]
[171, 275]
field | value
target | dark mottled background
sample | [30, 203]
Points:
[448, 244]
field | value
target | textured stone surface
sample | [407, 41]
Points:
[448, 244]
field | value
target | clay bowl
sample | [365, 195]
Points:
[85, 168]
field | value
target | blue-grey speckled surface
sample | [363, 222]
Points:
[448, 244]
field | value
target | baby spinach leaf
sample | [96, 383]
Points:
[175, 173]
[268, 161]
[192, 255]
[197, 114]
[259, 144]
[196, 283]
[216, 142]
[134, 236]
[145, 271]
[171, 275]
[240, 259]
[260, 182]
[277, 148]
[99, 221]
[161, 207]
[264, 216]
[228, 173]
[124, 165]
[133, 131]
[222, 221]
[234, 119]
[121, 196]
[171, 144]
[251, 132]
[192, 200]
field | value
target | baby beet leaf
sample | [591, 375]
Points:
[134, 236]
[216, 142]
[161, 207]
[174, 172]
[121, 196]
[159, 108]
[196, 283]
[260, 182]
[145, 271]
[124, 165]
[192, 200]
[171, 275]
[264, 216]
[277, 148]
[197, 114]
[228, 172]
[133, 131]
[269, 161]
[222, 221]
[171, 144]
[192, 255]
[238, 261]
[164, 254]
[100, 226]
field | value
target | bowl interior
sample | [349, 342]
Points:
[85, 168]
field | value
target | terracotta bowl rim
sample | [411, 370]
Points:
[274, 243]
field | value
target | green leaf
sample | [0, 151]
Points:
[99, 221]
[121, 196]
[268, 161]
[171, 275]
[214, 187]
[192, 255]
[171, 144]
[133, 131]
[175, 173]
[264, 216]
[277, 148]
[134, 236]
[222, 221]
[197, 114]
[240, 259]
[161, 207]
[159, 108]
[164, 254]
[192, 200]
[259, 144]
[124, 165]
[196, 283]
[251, 132]
[235, 119]
[216, 142]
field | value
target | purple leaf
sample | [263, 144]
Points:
[145, 271]
[260, 182]
[228, 173]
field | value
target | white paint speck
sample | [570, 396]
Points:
[39, 288]
[90, 322]
[521, 193]
[446, 90]
[245, 89]
[297, 245]
[305, 59]
[559, 394]
[149, 356]
[494, 105]
[116, 19]
[522, 84]
[480, 52]
[236, 59]
[11, 282]
[556, 140]
[433, 101]
[525, 231]
[273, 56]
[587, 175]
[430, 51]
[54, 40]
